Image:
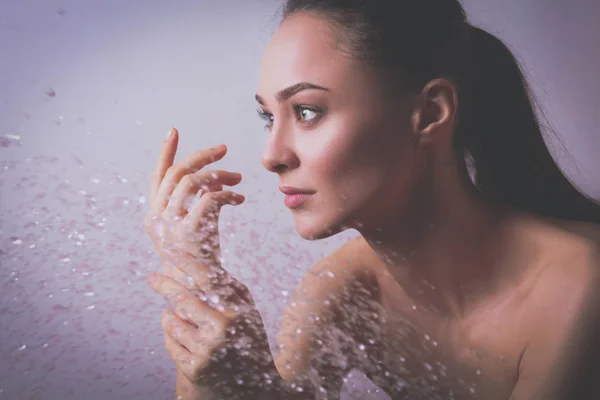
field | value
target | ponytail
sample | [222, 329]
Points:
[499, 130]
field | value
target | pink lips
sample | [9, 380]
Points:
[294, 196]
[294, 200]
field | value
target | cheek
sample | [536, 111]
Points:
[348, 171]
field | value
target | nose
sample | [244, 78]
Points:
[278, 155]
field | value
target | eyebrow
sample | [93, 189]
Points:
[288, 92]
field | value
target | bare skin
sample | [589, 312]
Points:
[443, 295]
[351, 312]
[492, 294]
[507, 348]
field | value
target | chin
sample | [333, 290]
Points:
[310, 228]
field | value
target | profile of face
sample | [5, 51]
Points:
[333, 131]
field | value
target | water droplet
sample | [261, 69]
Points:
[22, 348]
[361, 347]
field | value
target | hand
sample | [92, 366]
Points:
[213, 332]
[218, 342]
[185, 202]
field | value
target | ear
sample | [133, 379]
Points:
[434, 111]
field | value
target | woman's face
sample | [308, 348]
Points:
[337, 136]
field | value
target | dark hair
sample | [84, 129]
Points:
[415, 41]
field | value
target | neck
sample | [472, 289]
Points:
[445, 254]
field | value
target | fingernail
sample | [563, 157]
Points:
[170, 134]
[240, 199]
[220, 147]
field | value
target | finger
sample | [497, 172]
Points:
[165, 160]
[209, 205]
[190, 184]
[168, 288]
[213, 187]
[173, 272]
[178, 352]
[187, 362]
[206, 311]
[197, 340]
[173, 175]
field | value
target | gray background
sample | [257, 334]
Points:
[88, 90]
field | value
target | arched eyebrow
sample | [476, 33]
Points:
[288, 92]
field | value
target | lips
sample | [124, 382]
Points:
[294, 200]
[293, 190]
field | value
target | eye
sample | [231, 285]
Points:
[306, 113]
[265, 116]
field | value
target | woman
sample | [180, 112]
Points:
[475, 269]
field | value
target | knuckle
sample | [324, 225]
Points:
[175, 170]
[170, 171]
[173, 330]
[187, 180]
[181, 297]
[149, 222]
[212, 176]
[211, 195]
[165, 316]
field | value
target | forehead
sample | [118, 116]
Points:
[302, 49]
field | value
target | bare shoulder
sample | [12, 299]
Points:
[569, 270]
[562, 308]
[311, 334]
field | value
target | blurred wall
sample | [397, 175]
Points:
[88, 90]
